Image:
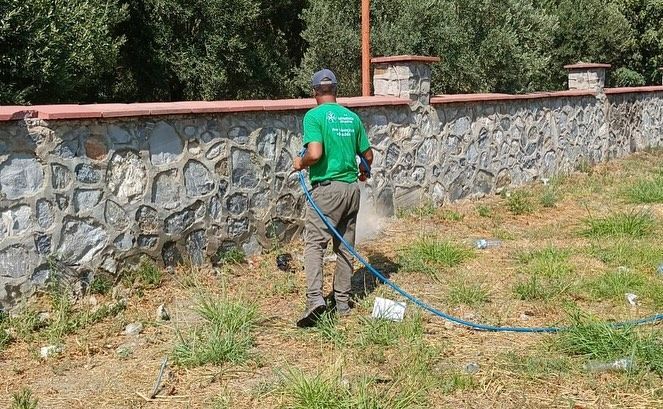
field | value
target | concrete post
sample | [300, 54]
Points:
[403, 76]
[587, 76]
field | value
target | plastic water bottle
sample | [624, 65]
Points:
[620, 365]
[659, 270]
[487, 244]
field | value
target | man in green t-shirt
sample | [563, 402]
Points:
[333, 137]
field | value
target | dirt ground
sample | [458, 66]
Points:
[100, 367]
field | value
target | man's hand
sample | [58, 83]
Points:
[297, 164]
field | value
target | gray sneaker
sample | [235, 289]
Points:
[343, 310]
[311, 316]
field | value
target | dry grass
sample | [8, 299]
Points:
[358, 362]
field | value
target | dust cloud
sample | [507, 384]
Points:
[369, 222]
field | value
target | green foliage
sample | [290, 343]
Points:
[426, 210]
[386, 333]
[547, 273]
[632, 223]
[598, 340]
[230, 256]
[549, 197]
[515, 34]
[615, 284]
[225, 336]
[646, 191]
[328, 330]
[57, 51]
[452, 215]
[519, 203]
[100, 284]
[484, 211]
[537, 366]
[468, 293]
[643, 255]
[23, 399]
[429, 254]
[625, 77]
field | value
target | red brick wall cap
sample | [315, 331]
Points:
[405, 59]
[586, 66]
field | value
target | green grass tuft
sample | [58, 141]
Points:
[468, 293]
[100, 284]
[328, 330]
[549, 197]
[519, 203]
[537, 366]
[452, 215]
[547, 271]
[426, 210]
[646, 191]
[429, 255]
[225, 336]
[632, 224]
[484, 211]
[23, 399]
[385, 333]
[614, 284]
[643, 255]
[600, 341]
[230, 256]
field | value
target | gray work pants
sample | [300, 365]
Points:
[339, 201]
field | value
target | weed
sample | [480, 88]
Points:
[646, 191]
[149, 274]
[633, 224]
[548, 270]
[23, 399]
[383, 332]
[549, 198]
[642, 255]
[100, 284]
[519, 203]
[230, 256]
[549, 262]
[452, 215]
[319, 391]
[456, 382]
[5, 336]
[615, 284]
[429, 254]
[326, 327]
[26, 323]
[468, 293]
[426, 210]
[226, 335]
[597, 340]
[585, 166]
[484, 211]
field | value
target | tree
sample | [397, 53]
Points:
[57, 51]
[207, 49]
[484, 45]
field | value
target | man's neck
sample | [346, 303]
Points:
[324, 99]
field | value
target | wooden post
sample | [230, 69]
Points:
[365, 49]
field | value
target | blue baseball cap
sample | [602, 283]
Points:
[323, 77]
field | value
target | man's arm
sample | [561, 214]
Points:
[312, 155]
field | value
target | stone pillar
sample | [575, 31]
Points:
[587, 76]
[403, 76]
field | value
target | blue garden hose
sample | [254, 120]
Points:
[424, 305]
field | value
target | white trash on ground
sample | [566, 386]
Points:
[388, 309]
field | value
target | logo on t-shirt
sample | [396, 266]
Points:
[331, 117]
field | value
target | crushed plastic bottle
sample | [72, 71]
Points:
[659, 270]
[619, 365]
[487, 244]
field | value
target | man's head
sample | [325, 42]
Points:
[324, 84]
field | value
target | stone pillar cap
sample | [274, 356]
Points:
[405, 58]
[586, 66]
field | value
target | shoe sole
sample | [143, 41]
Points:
[311, 318]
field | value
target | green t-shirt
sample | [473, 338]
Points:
[342, 136]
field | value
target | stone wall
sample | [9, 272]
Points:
[97, 194]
